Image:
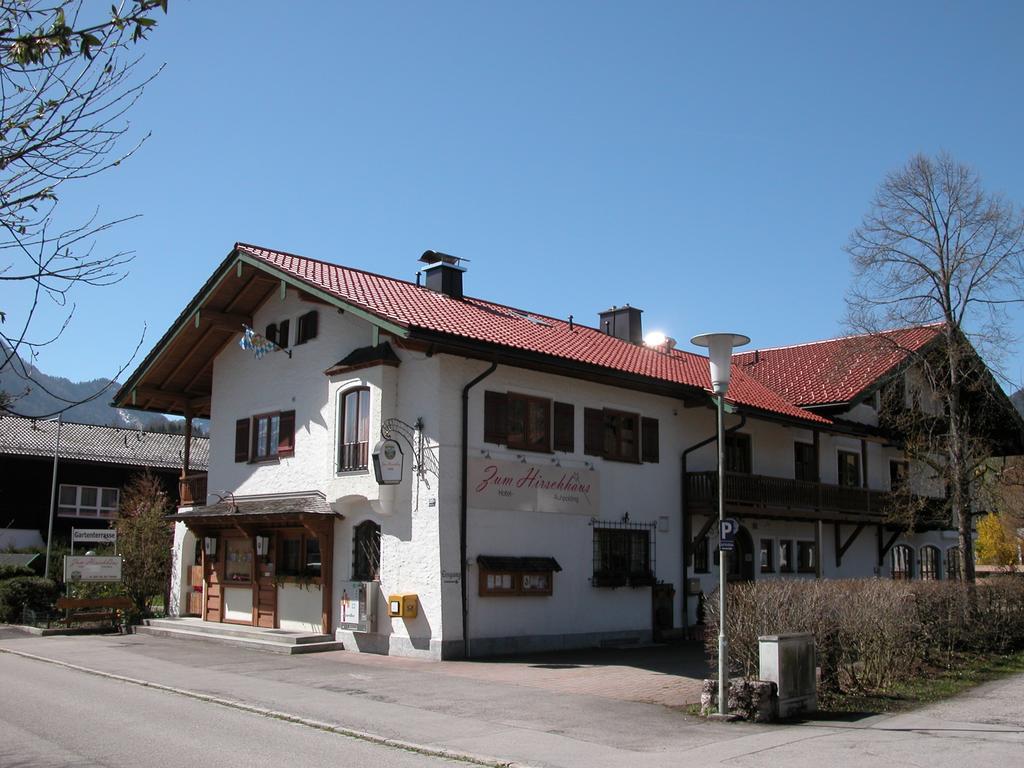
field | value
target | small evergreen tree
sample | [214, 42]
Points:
[144, 539]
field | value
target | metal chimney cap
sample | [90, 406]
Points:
[436, 257]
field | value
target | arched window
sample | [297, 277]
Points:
[930, 563]
[354, 430]
[366, 552]
[954, 566]
[902, 562]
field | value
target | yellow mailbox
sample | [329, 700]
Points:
[403, 606]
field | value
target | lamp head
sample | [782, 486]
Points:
[720, 347]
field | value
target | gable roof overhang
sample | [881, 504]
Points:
[177, 374]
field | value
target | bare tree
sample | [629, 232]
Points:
[67, 80]
[935, 248]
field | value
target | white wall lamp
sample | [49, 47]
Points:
[720, 347]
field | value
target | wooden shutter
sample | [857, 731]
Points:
[649, 433]
[286, 434]
[564, 427]
[593, 431]
[495, 417]
[283, 333]
[308, 326]
[271, 333]
[242, 440]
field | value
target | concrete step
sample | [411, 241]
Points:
[239, 630]
[243, 637]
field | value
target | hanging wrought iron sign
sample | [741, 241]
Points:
[388, 462]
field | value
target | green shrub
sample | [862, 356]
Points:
[33, 592]
[14, 571]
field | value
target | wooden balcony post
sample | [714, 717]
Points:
[818, 550]
[817, 467]
[187, 453]
[864, 462]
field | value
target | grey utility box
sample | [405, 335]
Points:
[789, 662]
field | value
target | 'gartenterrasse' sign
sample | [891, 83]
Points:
[532, 488]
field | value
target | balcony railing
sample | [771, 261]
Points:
[781, 493]
[353, 456]
[192, 490]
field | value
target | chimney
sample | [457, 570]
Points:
[443, 273]
[623, 323]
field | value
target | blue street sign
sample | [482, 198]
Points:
[729, 527]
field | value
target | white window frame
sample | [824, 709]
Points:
[96, 512]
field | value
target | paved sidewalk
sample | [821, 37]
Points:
[483, 710]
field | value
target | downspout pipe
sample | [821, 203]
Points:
[464, 502]
[686, 526]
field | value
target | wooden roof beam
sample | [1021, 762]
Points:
[178, 398]
[228, 321]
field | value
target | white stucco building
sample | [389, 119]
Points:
[557, 480]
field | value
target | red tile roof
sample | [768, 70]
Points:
[415, 307]
[834, 370]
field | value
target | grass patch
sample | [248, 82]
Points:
[932, 684]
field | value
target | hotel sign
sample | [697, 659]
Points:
[92, 568]
[520, 487]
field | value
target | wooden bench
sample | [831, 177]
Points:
[106, 610]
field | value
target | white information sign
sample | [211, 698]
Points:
[92, 568]
[522, 487]
[94, 535]
[354, 612]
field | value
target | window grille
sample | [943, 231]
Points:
[624, 553]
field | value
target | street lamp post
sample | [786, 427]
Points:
[53, 496]
[720, 346]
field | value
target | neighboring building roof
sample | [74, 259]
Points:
[105, 445]
[834, 371]
[417, 308]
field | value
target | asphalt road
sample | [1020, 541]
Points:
[52, 716]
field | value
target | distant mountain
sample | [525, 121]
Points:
[50, 393]
[1017, 398]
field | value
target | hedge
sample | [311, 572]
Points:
[871, 633]
[20, 592]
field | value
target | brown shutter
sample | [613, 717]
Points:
[495, 417]
[286, 434]
[308, 324]
[564, 427]
[242, 440]
[649, 434]
[283, 331]
[593, 431]
[271, 333]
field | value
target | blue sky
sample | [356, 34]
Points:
[705, 162]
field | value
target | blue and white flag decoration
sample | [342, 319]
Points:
[257, 343]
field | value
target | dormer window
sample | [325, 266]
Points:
[308, 327]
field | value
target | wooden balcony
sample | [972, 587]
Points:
[192, 490]
[779, 496]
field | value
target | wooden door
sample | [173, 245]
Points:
[265, 603]
[213, 567]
